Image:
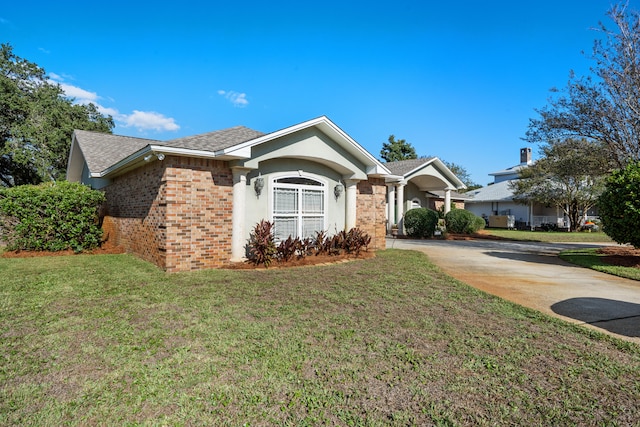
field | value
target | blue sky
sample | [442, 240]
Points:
[459, 80]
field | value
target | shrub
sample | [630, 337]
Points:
[463, 222]
[420, 222]
[262, 247]
[356, 240]
[619, 205]
[51, 217]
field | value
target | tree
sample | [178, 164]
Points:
[36, 122]
[607, 108]
[569, 175]
[396, 150]
[462, 174]
[619, 205]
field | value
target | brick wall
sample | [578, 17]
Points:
[199, 213]
[175, 213]
[135, 213]
[370, 210]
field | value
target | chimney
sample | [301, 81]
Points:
[525, 156]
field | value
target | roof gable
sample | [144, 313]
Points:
[403, 167]
[103, 150]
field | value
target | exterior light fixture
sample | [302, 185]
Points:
[258, 184]
[149, 156]
[338, 189]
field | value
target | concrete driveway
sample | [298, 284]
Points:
[532, 275]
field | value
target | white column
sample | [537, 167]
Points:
[238, 215]
[447, 200]
[391, 206]
[400, 205]
[351, 196]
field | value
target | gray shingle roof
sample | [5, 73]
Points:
[215, 141]
[102, 150]
[403, 167]
[492, 193]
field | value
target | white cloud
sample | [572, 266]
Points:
[141, 120]
[81, 96]
[149, 120]
[236, 98]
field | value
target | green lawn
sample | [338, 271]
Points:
[550, 236]
[590, 258]
[111, 340]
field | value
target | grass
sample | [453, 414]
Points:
[590, 258]
[111, 340]
[550, 236]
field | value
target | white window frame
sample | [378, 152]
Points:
[323, 185]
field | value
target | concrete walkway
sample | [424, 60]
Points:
[532, 275]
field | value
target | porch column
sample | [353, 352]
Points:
[447, 200]
[391, 206]
[238, 215]
[400, 205]
[351, 196]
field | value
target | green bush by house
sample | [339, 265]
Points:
[462, 221]
[420, 222]
[50, 217]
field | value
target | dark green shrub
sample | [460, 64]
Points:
[462, 221]
[50, 217]
[479, 223]
[420, 222]
[619, 205]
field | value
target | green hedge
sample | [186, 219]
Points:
[420, 222]
[50, 217]
[619, 205]
[462, 221]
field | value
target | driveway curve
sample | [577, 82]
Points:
[531, 274]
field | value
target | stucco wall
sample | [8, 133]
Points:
[259, 208]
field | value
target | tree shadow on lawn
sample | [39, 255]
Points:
[619, 317]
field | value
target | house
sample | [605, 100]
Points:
[191, 203]
[425, 182]
[496, 204]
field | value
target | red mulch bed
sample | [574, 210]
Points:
[623, 256]
[106, 248]
[301, 262]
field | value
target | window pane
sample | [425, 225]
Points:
[285, 227]
[312, 202]
[299, 181]
[312, 224]
[285, 201]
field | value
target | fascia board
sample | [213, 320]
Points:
[162, 149]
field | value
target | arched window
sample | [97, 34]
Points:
[298, 208]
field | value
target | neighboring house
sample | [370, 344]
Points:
[425, 182]
[192, 202]
[495, 202]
